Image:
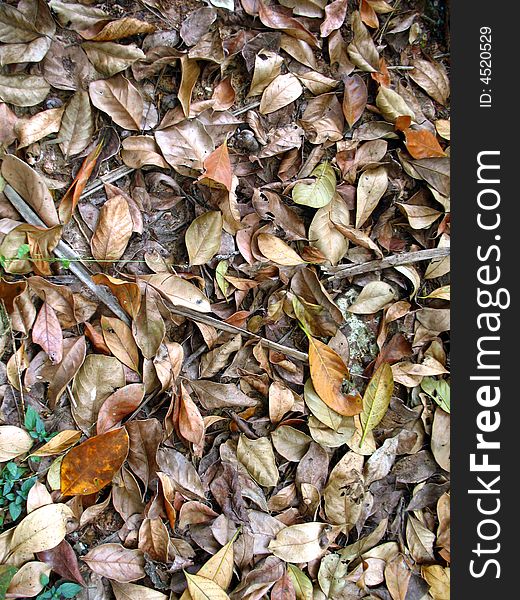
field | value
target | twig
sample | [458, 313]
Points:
[207, 320]
[110, 177]
[390, 261]
[64, 251]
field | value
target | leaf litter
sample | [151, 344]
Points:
[224, 282]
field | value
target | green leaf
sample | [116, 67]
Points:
[31, 417]
[301, 583]
[7, 572]
[23, 251]
[318, 193]
[68, 590]
[439, 390]
[376, 399]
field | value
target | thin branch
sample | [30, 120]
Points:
[395, 260]
[218, 324]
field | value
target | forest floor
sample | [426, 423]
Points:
[224, 283]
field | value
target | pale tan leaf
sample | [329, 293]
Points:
[23, 90]
[258, 458]
[39, 126]
[201, 588]
[300, 543]
[185, 145]
[142, 150]
[267, 67]
[371, 187]
[433, 79]
[203, 237]
[178, 291]
[77, 125]
[116, 562]
[120, 100]
[362, 50]
[27, 582]
[392, 105]
[275, 249]
[14, 441]
[109, 58]
[132, 591]
[283, 90]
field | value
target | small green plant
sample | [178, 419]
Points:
[35, 426]
[14, 494]
[58, 590]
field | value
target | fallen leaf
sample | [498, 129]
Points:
[14, 442]
[113, 231]
[258, 458]
[47, 333]
[118, 338]
[27, 582]
[376, 399]
[432, 77]
[328, 372]
[201, 588]
[23, 90]
[422, 143]
[38, 126]
[89, 467]
[119, 405]
[132, 591]
[109, 58]
[336, 13]
[300, 543]
[217, 169]
[283, 90]
[120, 100]
[275, 249]
[371, 187]
[373, 297]
[318, 193]
[116, 562]
[59, 443]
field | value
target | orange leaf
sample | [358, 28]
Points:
[327, 373]
[422, 143]
[218, 167]
[70, 200]
[191, 425]
[403, 122]
[368, 15]
[92, 465]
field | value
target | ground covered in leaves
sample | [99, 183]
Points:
[224, 273]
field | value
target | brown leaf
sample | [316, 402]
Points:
[116, 30]
[62, 559]
[279, 93]
[38, 126]
[275, 17]
[113, 230]
[354, 98]
[120, 100]
[116, 562]
[70, 200]
[422, 143]
[127, 293]
[323, 119]
[217, 168]
[118, 405]
[275, 249]
[190, 73]
[335, 16]
[283, 589]
[92, 465]
[432, 77]
[362, 50]
[74, 351]
[47, 333]
[118, 337]
[185, 145]
[191, 425]
[328, 373]
[31, 188]
[148, 326]
[154, 539]
[145, 437]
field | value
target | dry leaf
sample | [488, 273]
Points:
[116, 562]
[91, 466]
[283, 90]
[328, 373]
[113, 231]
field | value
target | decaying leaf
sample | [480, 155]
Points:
[91, 466]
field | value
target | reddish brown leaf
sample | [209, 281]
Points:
[283, 589]
[277, 17]
[126, 292]
[354, 99]
[62, 559]
[70, 200]
[92, 465]
[191, 425]
[217, 168]
[47, 333]
[118, 405]
[422, 143]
